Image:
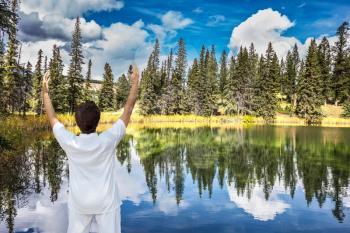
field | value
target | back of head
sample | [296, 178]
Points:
[87, 117]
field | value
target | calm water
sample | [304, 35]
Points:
[259, 179]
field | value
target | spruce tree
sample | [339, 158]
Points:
[122, 91]
[340, 78]
[223, 74]
[213, 87]
[150, 83]
[12, 74]
[177, 95]
[106, 100]
[310, 88]
[88, 92]
[58, 83]
[6, 16]
[38, 76]
[324, 59]
[2, 76]
[290, 84]
[230, 88]
[27, 89]
[193, 85]
[75, 77]
[267, 85]
[252, 79]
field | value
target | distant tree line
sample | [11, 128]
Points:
[20, 85]
[246, 83]
[249, 83]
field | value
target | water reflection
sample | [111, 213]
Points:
[259, 170]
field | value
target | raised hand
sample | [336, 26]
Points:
[134, 74]
[46, 80]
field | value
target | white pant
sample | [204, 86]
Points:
[81, 223]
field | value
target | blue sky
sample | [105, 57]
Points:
[312, 18]
[136, 24]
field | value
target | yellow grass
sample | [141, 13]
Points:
[333, 119]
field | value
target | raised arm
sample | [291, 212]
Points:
[50, 112]
[130, 102]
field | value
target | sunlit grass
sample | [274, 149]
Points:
[33, 122]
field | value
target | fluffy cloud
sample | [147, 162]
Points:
[69, 8]
[175, 20]
[123, 45]
[260, 208]
[263, 27]
[55, 26]
[215, 19]
[171, 22]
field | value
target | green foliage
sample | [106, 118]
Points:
[88, 94]
[122, 91]
[341, 65]
[310, 88]
[58, 83]
[75, 77]
[38, 76]
[106, 100]
[346, 108]
[267, 84]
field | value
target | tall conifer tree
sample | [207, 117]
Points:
[324, 58]
[106, 100]
[75, 77]
[310, 88]
[38, 76]
[58, 84]
[340, 78]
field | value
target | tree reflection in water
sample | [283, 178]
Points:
[316, 158]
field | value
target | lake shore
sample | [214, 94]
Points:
[173, 121]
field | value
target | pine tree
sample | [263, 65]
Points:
[223, 74]
[177, 95]
[45, 64]
[193, 91]
[7, 25]
[27, 89]
[324, 59]
[88, 95]
[150, 83]
[123, 87]
[229, 90]
[12, 70]
[106, 100]
[310, 88]
[242, 84]
[252, 79]
[213, 88]
[2, 76]
[59, 83]
[290, 84]
[75, 77]
[267, 85]
[340, 79]
[38, 76]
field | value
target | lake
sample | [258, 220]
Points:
[251, 179]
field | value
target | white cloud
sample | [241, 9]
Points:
[175, 20]
[55, 26]
[69, 8]
[123, 45]
[198, 10]
[215, 19]
[260, 208]
[261, 28]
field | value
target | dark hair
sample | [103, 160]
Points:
[87, 117]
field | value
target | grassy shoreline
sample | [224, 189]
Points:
[171, 121]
